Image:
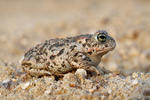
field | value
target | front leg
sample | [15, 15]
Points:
[79, 60]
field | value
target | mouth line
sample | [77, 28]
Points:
[105, 50]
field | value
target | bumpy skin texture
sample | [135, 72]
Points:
[59, 56]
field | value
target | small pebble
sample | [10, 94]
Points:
[81, 73]
[25, 85]
[47, 92]
[109, 91]
[134, 75]
[7, 83]
[134, 82]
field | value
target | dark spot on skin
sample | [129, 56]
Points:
[94, 45]
[53, 50]
[48, 63]
[106, 45]
[50, 47]
[45, 53]
[72, 47]
[29, 57]
[75, 54]
[67, 40]
[87, 40]
[89, 53]
[54, 63]
[59, 70]
[84, 45]
[76, 60]
[87, 59]
[67, 44]
[56, 45]
[30, 68]
[46, 42]
[88, 45]
[39, 53]
[57, 78]
[51, 66]
[63, 65]
[67, 53]
[42, 50]
[52, 57]
[44, 59]
[86, 62]
[37, 58]
[60, 52]
[80, 42]
[80, 55]
[28, 64]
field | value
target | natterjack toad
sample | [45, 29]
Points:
[59, 56]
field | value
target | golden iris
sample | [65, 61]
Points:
[101, 37]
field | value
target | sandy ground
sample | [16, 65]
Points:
[24, 23]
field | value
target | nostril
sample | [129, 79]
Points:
[106, 45]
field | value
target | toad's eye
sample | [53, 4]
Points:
[101, 37]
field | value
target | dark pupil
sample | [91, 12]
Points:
[102, 38]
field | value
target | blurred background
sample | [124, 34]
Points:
[24, 23]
